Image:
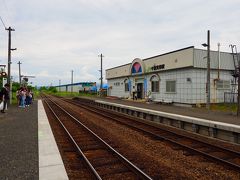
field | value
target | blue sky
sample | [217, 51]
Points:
[54, 37]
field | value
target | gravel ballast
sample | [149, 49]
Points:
[155, 157]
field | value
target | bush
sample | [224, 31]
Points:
[52, 89]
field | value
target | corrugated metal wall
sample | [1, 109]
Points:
[200, 59]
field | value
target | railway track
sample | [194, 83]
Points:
[190, 145]
[103, 161]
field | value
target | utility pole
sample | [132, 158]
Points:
[101, 78]
[19, 68]
[9, 61]
[59, 85]
[219, 61]
[208, 70]
[72, 82]
[238, 107]
[238, 76]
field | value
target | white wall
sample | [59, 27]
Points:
[117, 90]
[179, 66]
[186, 92]
[184, 89]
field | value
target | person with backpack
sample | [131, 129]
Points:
[4, 96]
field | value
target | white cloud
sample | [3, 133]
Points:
[54, 37]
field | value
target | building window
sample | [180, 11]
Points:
[117, 84]
[155, 83]
[171, 86]
[126, 85]
[155, 86]
[223, 84]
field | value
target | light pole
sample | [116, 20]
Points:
[208, 69]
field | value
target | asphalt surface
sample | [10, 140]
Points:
[19, 143]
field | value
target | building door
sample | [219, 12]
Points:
[109, 91]
[140, 90]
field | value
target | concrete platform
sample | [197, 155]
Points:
[51, 166]
[19, 143]
[221, 125]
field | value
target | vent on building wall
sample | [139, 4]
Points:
[189, 80]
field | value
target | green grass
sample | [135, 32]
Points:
[224, 107]
[71, 95]
[36, 94]
[215, 107]
[14, 98]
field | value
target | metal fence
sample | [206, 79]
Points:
[230, 97]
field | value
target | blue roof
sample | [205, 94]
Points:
[75, 84]
[105, 86]
[93, 87]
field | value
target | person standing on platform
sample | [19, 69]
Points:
[133, 93]
[4, 96]
[23, 98]
[18, 96]
[28, 97]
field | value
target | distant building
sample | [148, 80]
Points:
[179, 76]
[77, 87]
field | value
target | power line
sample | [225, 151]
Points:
[7, 10]
[3, 22]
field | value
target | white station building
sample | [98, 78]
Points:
[179, 77]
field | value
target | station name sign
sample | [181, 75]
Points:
[157, 67]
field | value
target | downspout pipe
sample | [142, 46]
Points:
[219, 61]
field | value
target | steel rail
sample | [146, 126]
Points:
[217, 148]
[134, 168]
[75, 144]
[145, 123]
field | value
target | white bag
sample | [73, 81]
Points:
[1, 105]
